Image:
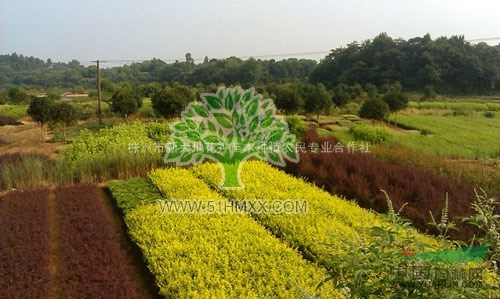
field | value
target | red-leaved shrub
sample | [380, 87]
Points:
[360, 176]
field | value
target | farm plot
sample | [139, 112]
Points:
[360, 177]
[24, 244]
[462, 136]
[212, 255]
[62, 243]
[329, 220]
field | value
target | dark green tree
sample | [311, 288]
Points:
[3, 97]
[371, 90]
[170, 101]
[53, 94]
[317, 100]
[17, 96]
[124, 102]
[396, 101]
[189, 58]
[341, 95]
[64, 114]
[288, 98]
[40, 110]
[428, 92]
[374, 109]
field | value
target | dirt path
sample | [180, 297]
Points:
[26, 138]
[54, 290]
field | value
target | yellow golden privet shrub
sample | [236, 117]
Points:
[330, 220]
[199, 255]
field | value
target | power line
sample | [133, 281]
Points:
[200, 58]
[483, 39]
[294, 54]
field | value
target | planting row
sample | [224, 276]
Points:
[61, 244]
[89, 254]
[361, 177]
[196, 255]
[329, 220]
[24, 245]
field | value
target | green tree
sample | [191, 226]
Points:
[341, 95]
[230, 127]
[53, 94]
[317, 100]
[17, 96]
[40, 110]
[3, 97]
[396, 101]
[371, 90]
[170, 101]
[428, 92]
[374, 109]
[288, 98]
[64, 114]
[124, 102]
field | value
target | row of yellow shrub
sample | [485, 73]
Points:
[330, 220]
[212, 255]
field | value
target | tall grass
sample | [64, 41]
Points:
[30, 171]
[118, 165]
[93, 157]
[22, 171]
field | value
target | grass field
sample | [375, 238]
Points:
[464, 136]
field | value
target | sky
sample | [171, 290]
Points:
[134, 30]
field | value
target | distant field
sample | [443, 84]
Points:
[467, 137]
[466, 105]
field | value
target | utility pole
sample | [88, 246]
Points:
[99, 113]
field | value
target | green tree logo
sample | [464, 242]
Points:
[229, 127]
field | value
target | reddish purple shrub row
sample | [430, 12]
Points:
[76, 232]
[24, 244]
[360, 176]
[94, 262]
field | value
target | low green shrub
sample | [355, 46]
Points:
[15, 111]
[296, 125]
[489, 114]
[372, 134]
[350, 108]
[382, 265]
[134, 192]
[460, 111]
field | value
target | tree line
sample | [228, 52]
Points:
[33, 73]
[444, 65]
